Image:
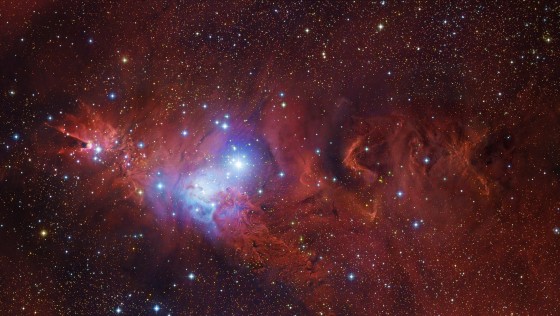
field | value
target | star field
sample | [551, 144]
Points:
[279, 158]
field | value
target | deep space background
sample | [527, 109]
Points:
[279, 157]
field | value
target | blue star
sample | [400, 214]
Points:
[184, 133]
[400, 193]
[238, 164]
[118, 310]
[156, 308]
[192, 276]
[112, 96]
[351, 276]
[140, 145]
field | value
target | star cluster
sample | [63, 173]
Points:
[287, 158]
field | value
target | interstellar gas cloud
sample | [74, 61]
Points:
[279, 158]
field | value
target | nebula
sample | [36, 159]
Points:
[306, 158]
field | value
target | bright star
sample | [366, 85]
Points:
[238, 164]
[156, 308]
[192, 276]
